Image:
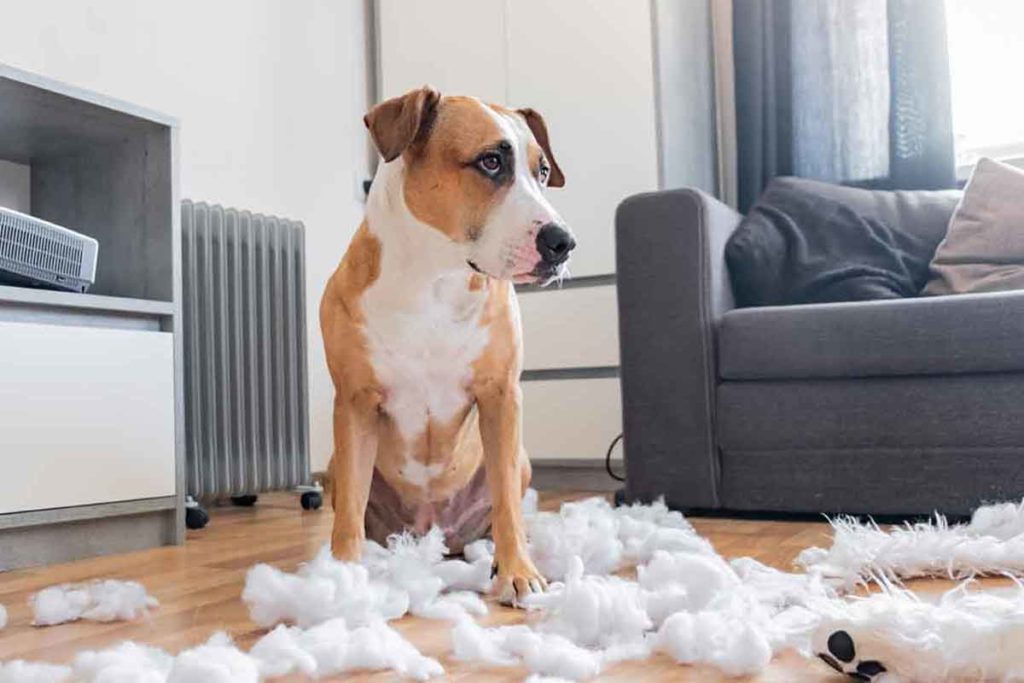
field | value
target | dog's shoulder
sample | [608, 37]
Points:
[358, 270]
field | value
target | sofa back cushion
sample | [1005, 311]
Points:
[922, 213]
[807, 241]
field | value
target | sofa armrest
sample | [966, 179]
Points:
[673, 286]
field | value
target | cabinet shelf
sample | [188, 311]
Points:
[88, 302]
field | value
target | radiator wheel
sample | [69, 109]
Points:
[312, 500]
[196, 517]
[246, 501]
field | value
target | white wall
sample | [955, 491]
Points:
[270, 95]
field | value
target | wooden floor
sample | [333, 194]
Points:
[199, 585]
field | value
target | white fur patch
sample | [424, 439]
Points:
[963, 635]
[422, 354]
[992, 544]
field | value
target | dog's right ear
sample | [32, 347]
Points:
[396, 123]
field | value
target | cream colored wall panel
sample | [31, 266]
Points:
[568, 328]
[574, 418]
[86, 416]
[588, 68]
[458, 46]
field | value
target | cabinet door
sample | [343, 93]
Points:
[588, 68]
[570, 328]
[86, 416]
[458, 46]
[570, 419]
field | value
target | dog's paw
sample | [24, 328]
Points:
[842, 656]
[514, 580]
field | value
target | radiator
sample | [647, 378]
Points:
[245, 352]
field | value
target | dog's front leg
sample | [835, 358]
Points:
[356, 419]
[500, 422]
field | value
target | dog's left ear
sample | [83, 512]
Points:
[395, 124]
[540, 131]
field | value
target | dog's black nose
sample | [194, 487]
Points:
[554, 244]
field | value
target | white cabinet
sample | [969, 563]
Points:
[570, 419]
[86, 416]
[570, 328]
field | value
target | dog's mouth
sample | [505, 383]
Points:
[542, 274]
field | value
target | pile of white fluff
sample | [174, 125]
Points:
[410, 576]
[687, 601]
[339, 611]
[588, 619]
[991, 544]
[333, 648]
[607, 538]
[962, 635]
[328, 649]
[104, 601]
[330, 617]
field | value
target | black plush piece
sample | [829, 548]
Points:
[842, 654]
[798, 247]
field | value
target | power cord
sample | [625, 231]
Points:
[608, 459]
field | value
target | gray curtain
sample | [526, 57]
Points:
[849, 91]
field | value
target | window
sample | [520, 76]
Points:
[986, 55]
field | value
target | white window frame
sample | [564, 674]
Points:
[1011, 153]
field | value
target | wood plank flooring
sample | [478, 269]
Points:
[199, 587]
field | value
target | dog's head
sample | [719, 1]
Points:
[476, 173]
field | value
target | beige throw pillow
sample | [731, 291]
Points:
[984, 247]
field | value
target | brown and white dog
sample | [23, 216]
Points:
[422, 334]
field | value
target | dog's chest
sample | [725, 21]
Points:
[422, 347]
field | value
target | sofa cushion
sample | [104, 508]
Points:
[984, 248]
[925, 336]
[922, 213]
[797, 247]
[964, 411]
[876, 481]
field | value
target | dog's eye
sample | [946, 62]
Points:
[490, 163]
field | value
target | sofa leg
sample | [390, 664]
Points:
[619, 497]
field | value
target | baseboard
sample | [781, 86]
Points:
[551, 474]
[45, 544]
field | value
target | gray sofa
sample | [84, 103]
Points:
[896, 407]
